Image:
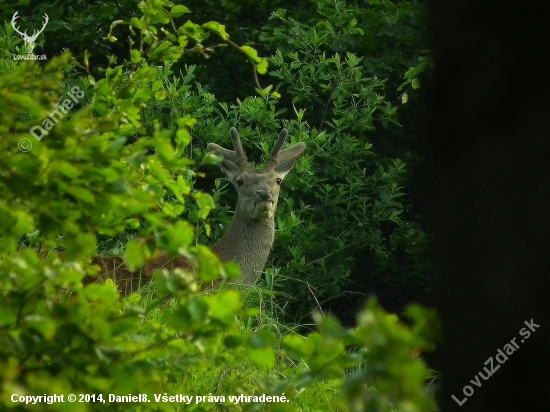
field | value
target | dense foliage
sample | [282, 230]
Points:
[347, 75]
[120, 170]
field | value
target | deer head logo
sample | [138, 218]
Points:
[30, 41]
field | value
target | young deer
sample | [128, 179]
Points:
[250, 237]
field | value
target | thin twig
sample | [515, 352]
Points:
[339, 250]
[315, 297]
[254, 71]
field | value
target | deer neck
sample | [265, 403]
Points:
[247, 242]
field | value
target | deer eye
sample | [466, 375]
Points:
[239, 181]
[278, 181]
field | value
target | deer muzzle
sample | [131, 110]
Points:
[264, 195]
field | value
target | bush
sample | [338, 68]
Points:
[117, 163]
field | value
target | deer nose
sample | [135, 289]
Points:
[264, 194]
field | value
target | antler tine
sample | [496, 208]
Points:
[291, 152]
[37, 32]
[236, 156]
[240, 156]
[47, 19]
[274, 154]
[13, 19]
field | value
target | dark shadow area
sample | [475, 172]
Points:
[489, 145]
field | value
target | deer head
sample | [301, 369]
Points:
[258, 190]
[29, 40]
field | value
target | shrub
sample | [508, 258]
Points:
[116, 164]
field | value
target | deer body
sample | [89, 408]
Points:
[248, 243]
[250, 237]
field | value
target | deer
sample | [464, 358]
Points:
[29, 40]
[250, 237]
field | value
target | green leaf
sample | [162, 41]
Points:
[187, 121]
[384, 193]
[224, 305]
[133, 298]
[179, 10]
[262, 66]
[194, 31]
[183, 185]
[115, 145]
[160, 95]
[198, 309]
[137, 23]
[83, 245]
[205, 203]
[157, 85]
[8, 314]
[209, 264]
[133, 223]
[295, 344]
[173, 210]
[251, 53]
[159, 51]
[142, 95]
[101, 293]
[66, 169]
[216, 28]
[179, 235]
[264, 358]
[80, 193]
[133, 255]
[135, 56]
[159, 16]
[231, 270]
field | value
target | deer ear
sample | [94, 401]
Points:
[289, 155]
